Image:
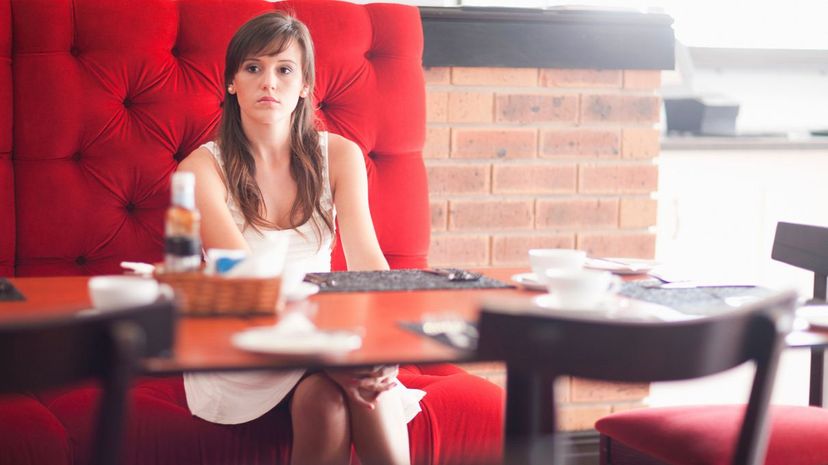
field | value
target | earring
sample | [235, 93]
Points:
[231, 90]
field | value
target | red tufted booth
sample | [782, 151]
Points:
[99, 100]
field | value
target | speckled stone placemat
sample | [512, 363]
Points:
[8, 292]
[693, 301]
[395, 280]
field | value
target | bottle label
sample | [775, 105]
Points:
[182, 246]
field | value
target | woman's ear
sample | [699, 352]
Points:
[304, 93]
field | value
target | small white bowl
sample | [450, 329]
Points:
[118, 291]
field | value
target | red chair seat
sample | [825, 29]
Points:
[706, 435]
[30, 434]
[457, 424]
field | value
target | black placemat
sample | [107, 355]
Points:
[395, 280]
[8, 292]
[695, 300]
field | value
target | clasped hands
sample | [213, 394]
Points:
[363, 386]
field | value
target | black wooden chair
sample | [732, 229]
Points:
[537, 348]
[49, 352]
[806, 247]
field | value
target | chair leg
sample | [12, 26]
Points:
[530, 418]
[127, 339]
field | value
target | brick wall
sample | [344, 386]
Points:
[522, 158]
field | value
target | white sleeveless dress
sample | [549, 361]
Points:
[239, 397]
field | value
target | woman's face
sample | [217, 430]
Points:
[268, 87]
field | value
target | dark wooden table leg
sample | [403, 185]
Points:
[817, 378]
[530, 418]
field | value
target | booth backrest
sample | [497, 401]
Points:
[100, 99]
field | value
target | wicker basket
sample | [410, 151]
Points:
[201, 294]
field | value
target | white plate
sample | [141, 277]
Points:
[529, 281]
[621, 265]
[301, 291]
[270, 340]
[815, 315]
[614, 308]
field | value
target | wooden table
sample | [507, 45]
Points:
[204, 343]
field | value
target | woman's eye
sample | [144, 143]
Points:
[285, 70]
[252, 68]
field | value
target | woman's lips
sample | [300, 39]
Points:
[267, 100]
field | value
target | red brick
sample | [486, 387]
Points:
[574, 417]
[436, 107]
[536, 108]
[588, 390]
[439, 75]
[470, 107]
[618, 245]
[577, 213]
[534, 179]
[609, 179]
[642, 79]
[458, 179]
[620, 108]
[513, 250]
[580, 143]
[494, 372]
[494, 76]
[494, 143]
[640, 143]
[439, 215]
[490, 214]
[580, 78]
[437, 143]
[462, 250]
[638, 212]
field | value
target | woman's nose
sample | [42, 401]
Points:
[269, 81]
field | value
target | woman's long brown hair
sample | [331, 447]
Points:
[270, 34]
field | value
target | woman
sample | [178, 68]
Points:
[271, 173]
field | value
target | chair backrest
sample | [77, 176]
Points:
[107, 96]
[806, 247]
[52, 352]
[537, 346]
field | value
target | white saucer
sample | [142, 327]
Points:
[270, 340]
[549, 302]
[529, 281]
[301, 291]
[614, 308]
[621, 265]
[815, 315]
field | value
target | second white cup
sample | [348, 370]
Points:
[581, 289]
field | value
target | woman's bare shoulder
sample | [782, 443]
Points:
[202, 163]
[342, 150]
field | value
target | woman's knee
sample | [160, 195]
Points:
[319, 396]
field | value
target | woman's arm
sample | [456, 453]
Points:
[218, 230]
[349, 184]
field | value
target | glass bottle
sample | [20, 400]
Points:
[182, 243]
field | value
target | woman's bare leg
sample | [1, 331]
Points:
[380, 435]
[321, 431]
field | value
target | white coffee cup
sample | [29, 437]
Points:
[580, 289]
[542, 260]
[120, 291]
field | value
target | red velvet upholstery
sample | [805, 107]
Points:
[109, 95]
[99, 100]
[707, 435]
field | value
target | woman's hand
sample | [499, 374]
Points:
[365, 385]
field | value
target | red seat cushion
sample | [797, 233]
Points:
[30, 434]
[707, 435]
[461, 423]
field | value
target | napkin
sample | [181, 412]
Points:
[267, 262]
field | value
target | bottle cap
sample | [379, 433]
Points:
[183, 189]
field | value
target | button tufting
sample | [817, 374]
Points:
[76, 156]
[130, 207]
[127, 102]
[74, 51]
[323, 104]
[369, 55]
[174, 51]
[178, 156]
[81, 260]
